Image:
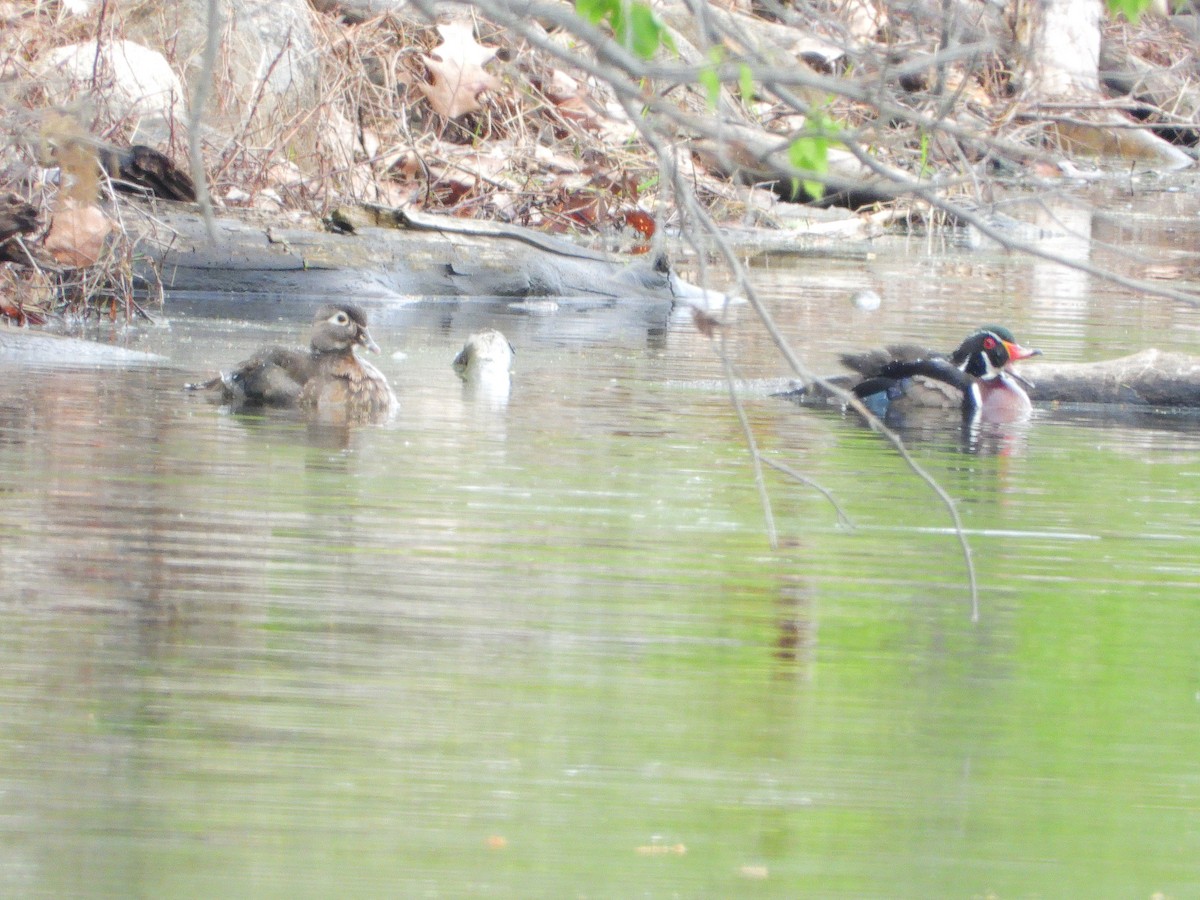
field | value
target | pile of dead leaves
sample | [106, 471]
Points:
[458, 118]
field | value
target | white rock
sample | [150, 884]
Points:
[135, 81]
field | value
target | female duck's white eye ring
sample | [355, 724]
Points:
[341, 318]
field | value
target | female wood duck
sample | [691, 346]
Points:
[977, 378]
[329, 381]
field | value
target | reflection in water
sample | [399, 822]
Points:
[484, 364]
[1060, 295]
[946, 428]
[1143, 435]
[796, 622]
[996, 438]
[488, 390]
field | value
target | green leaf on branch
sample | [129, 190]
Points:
[1130, 9]
[923, 167]
[592, 10]
[810, 152]
[746, 83]
[708, 77]
[711, 82]
[633, 23]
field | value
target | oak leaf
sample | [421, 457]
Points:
[456, 72]
[77, 234]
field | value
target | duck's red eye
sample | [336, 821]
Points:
[989, 343]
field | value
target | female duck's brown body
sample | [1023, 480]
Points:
[329, 382]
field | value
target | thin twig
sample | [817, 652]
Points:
[787, 470]
[692, 208]
[755, 457]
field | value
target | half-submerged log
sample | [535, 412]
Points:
[1150, 378]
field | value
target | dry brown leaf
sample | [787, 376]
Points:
[965, 84]
[402, 163]
[570, 99]
[615, 127]
[641, 222]
[554, 161]
[560, 87]
[484, 165]
[457, 73]
[864, 20]
[578, 209]
[458, 42]
[18, 314]
[77, 234]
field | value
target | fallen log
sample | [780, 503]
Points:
[1152, 378]
[386, 252]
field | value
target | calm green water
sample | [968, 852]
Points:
[540, 646]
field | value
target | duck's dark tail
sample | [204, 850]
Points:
[204, 385]
[816, 392]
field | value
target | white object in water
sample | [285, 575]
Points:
[483, 364]
[866, 300]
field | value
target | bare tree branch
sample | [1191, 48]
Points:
[208, 62]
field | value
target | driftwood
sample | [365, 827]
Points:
[1149, 378]
[387, 252]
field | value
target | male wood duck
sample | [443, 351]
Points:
[977, 378]
[328, 382]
